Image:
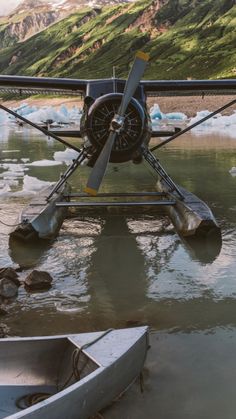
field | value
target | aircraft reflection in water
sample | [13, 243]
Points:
[118, 272]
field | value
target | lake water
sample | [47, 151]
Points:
[123, 270]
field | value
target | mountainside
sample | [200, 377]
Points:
[185, 39]
[27, 19]
[33, 16]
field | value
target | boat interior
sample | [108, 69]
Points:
[33, 370]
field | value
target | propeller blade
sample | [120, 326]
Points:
[133, 80]
[99, 169]
[134, 77]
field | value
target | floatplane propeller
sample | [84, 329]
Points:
[117, 123]
[116, 127]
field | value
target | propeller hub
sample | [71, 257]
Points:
[132, 129]
[117, 123]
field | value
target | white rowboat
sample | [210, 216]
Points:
[70, 377]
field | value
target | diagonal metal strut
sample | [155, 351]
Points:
[36, 126]
[73, 166]
[156, 165]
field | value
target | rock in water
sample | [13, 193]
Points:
[11, 274]
[3, 330]
[8, 289]
[3, 312]
[38, 280]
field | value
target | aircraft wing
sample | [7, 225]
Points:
[189, 87]
[51, 85]
[43, 85]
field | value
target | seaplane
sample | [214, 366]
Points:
[115, 127]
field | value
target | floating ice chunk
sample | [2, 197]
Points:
[48, 113]
[25, 159]
[3, 118]
[219, 124]
[12, 166]
[201, 115]
[24, 109]
[63, 110]
[159, 117]
[10, 151]
[10, 174]
[4, 189]
[12, 182]
[12, 170]
[178, 116]
[9, 182]
[43, 163]
[232, 171]
[33, 184]
[155, 112]
[65, 156]
[75, 114]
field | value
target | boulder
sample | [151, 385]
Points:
[3, 312]
[11, 274]
[4, 330]
[8, 289]
[38, 280]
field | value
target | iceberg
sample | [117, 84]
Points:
[25, 109]
[219, 124]
[177, 116]
[63, 110]
[33, 184]
[44, 163]
[232, 171]
[3, 118]
[155, 112]
[65, 156]
[4, 190]
[48, 113]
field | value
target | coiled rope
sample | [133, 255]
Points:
[31, 399]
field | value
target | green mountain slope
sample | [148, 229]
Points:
[185, 38]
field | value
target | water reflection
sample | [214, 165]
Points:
[122, 270]
[28, 254]
[117, 273]
[205, 248]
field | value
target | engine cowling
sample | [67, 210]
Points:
[95, 127]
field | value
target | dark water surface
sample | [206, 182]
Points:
[121, 270]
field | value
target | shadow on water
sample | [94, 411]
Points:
[116, 273]
[28, 254]
[204, 248]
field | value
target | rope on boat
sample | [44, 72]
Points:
[29, 400]
[76, 372]
[9, 225]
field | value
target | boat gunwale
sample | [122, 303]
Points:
[75, 386]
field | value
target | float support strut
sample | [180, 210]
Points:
[156, 165]
[73, 166]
